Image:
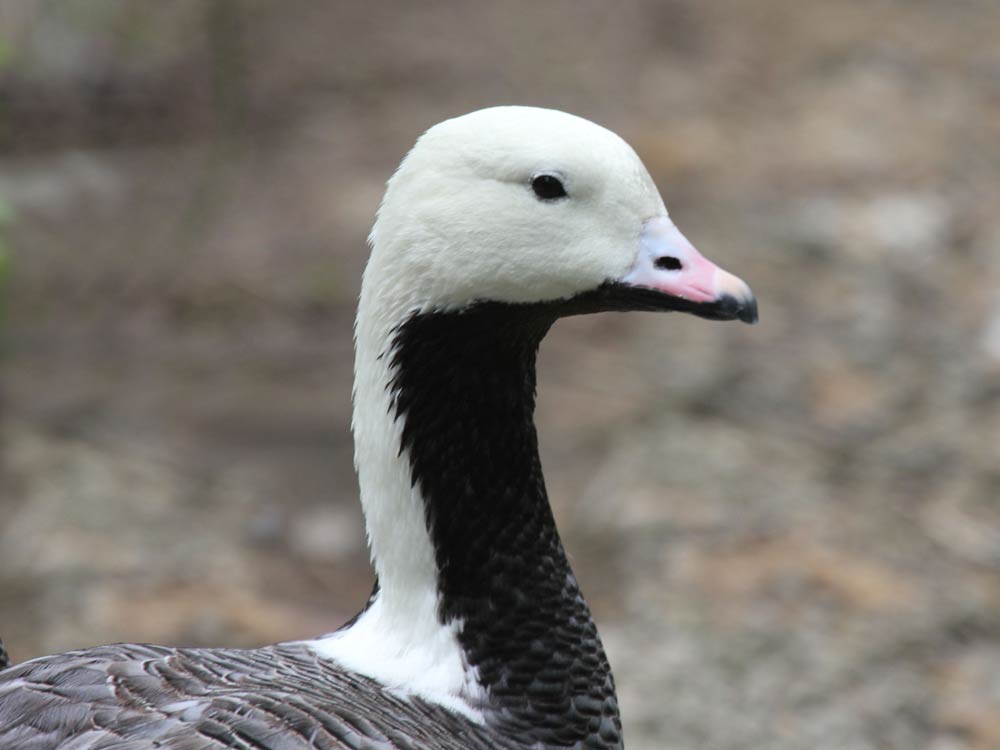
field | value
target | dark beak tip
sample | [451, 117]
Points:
[743, 309]
[748, 312]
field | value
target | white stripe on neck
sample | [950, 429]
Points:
[399, 639]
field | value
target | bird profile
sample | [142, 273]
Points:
[477, 635]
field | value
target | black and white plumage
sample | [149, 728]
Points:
[477, 635]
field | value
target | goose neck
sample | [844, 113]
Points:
[469, 525]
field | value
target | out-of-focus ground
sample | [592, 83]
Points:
[790, 534]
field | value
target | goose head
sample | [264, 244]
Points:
[527, 205]
[495, 224]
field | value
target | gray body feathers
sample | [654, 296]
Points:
[138, 697]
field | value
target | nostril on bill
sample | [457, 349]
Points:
[668, 263]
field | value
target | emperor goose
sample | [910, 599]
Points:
[476, 636]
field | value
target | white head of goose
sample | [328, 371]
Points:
[476, 635]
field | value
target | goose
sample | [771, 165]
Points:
[476, 635]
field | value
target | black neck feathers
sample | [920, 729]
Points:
[464, 386]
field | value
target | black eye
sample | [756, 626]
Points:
[548, 187]
[668, 263]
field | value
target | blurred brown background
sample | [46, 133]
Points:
[790, 534]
